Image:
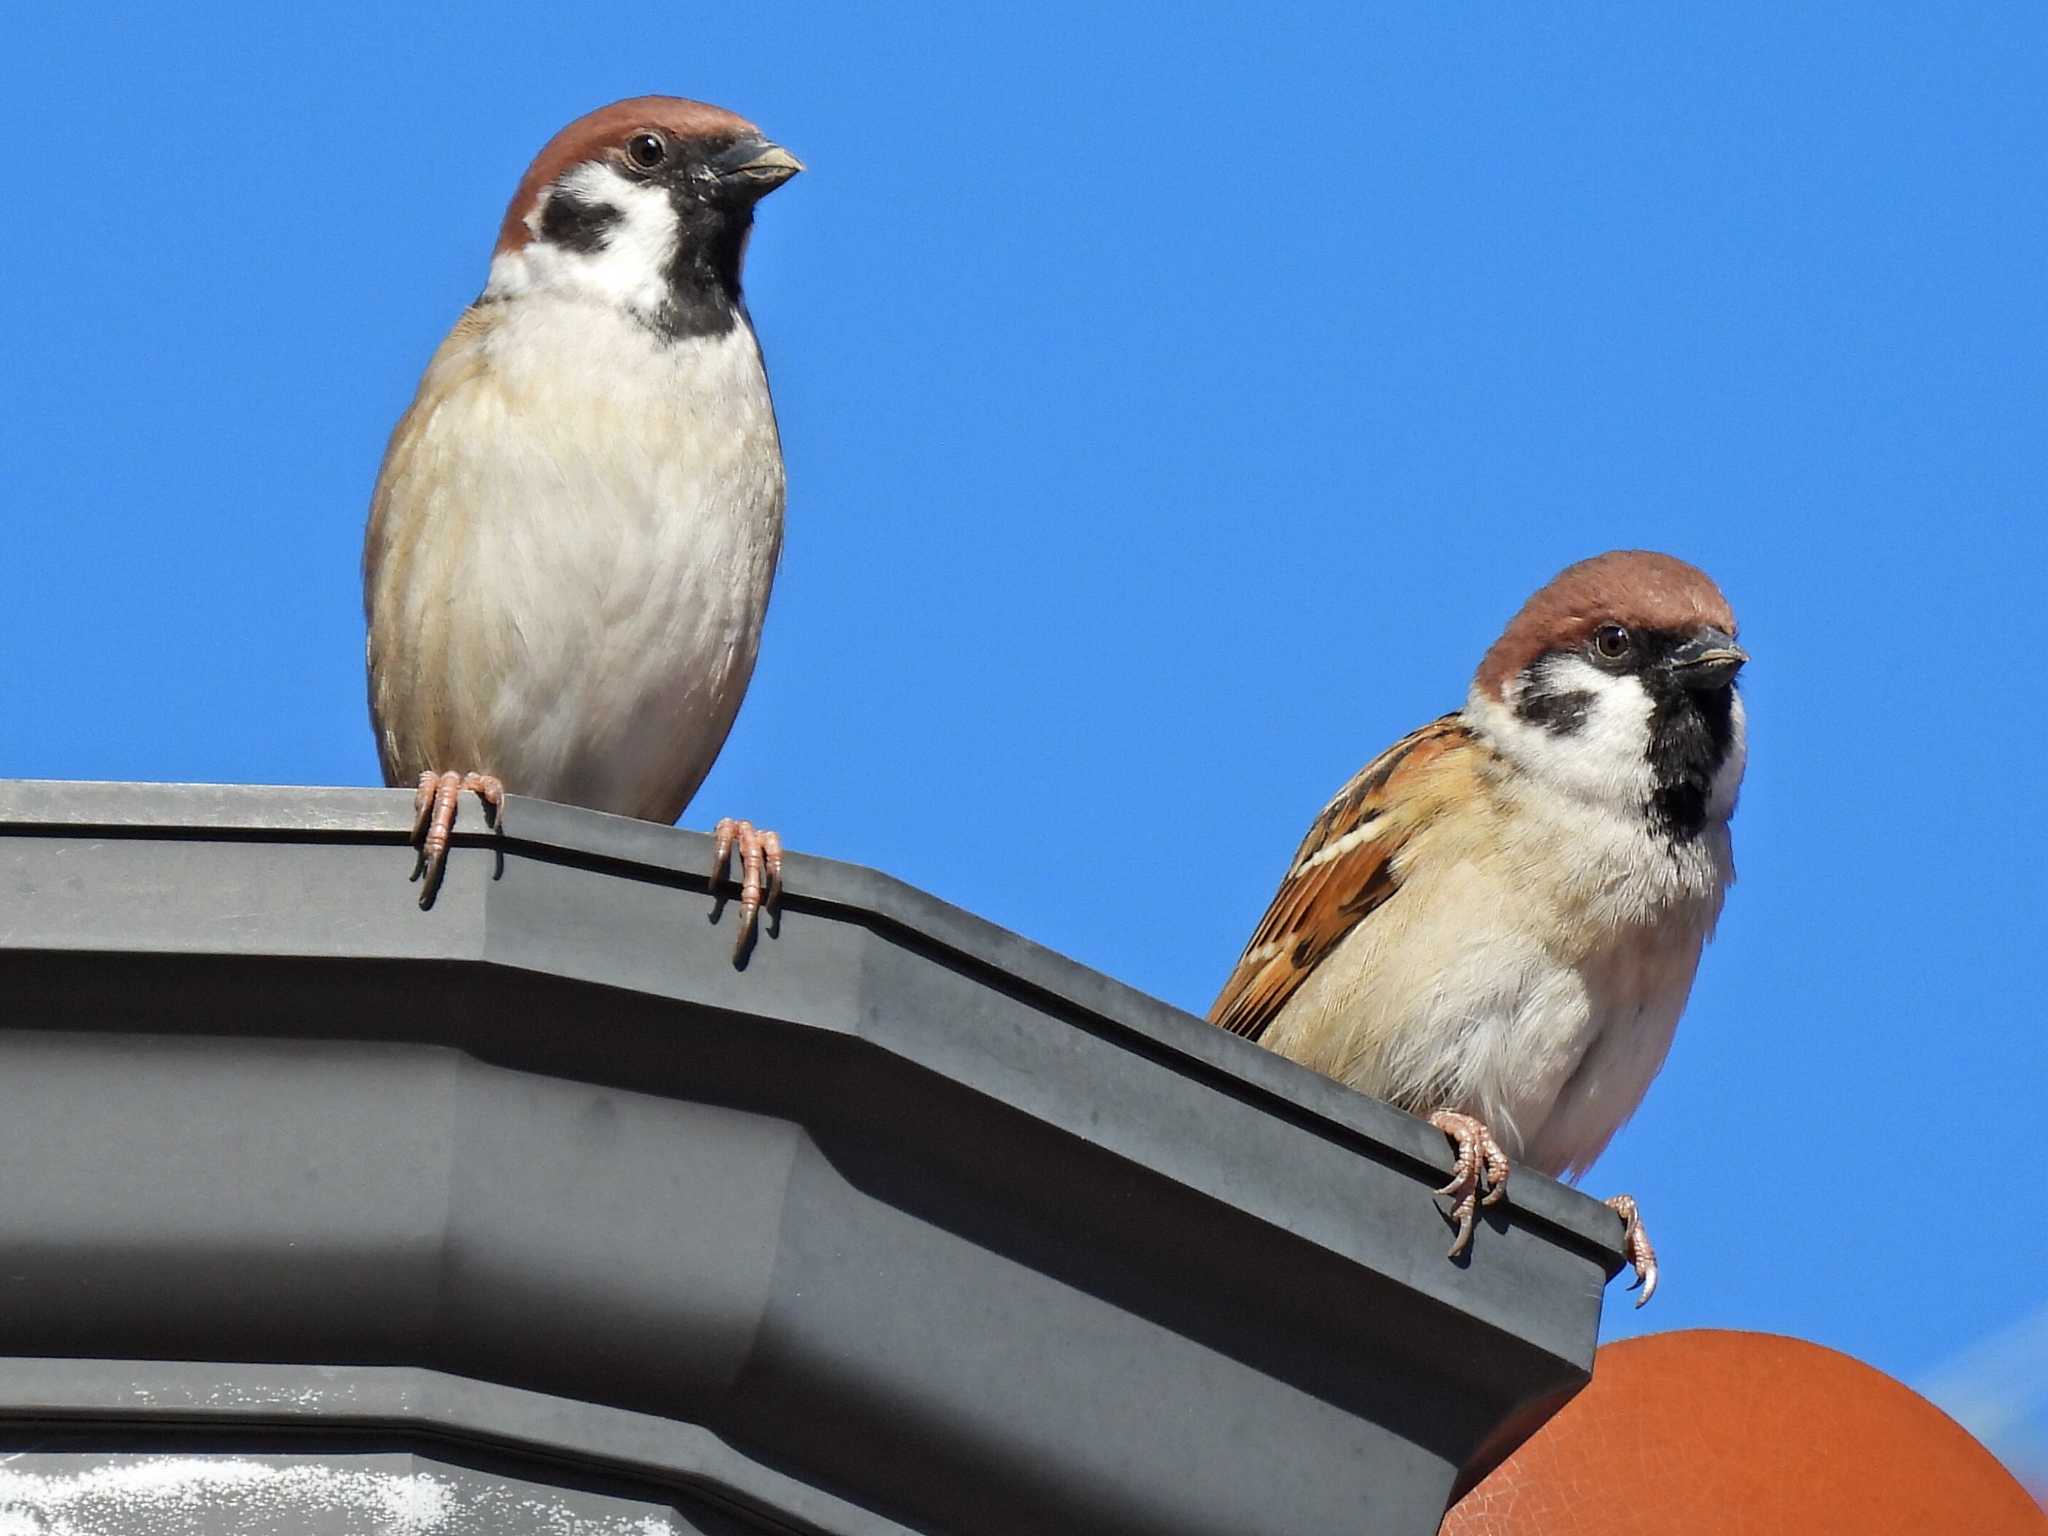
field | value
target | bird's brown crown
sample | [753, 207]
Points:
[604, 132]
[1635, 587]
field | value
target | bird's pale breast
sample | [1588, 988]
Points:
[570, 556]
[1534, 987]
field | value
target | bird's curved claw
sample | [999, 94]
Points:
[1479, 1177]
[1642, 1257]
[433, 819]
[760, 874]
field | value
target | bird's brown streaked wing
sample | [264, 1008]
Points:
[1343, 871]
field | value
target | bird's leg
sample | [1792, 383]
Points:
[1480, 1175]
[434, 819]
[1641, 1256]
[760, 873]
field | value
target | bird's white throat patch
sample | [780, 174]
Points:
[628, 266]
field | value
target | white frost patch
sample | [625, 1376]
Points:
[232, 1496]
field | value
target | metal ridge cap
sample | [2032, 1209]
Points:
[550, 830]
[883, 901]
[111, 805]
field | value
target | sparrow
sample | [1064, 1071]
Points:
[1496, 922]
[577, 522]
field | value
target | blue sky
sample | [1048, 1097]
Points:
[1175, 407]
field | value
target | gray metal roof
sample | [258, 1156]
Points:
[908, 1225]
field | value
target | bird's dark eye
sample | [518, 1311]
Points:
[647, 150]
[1613, 642]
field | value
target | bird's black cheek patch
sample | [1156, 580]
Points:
[576, 224]
[1541, 701]
[1561, 714]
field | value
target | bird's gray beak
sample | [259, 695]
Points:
[1708, 660]
[753, 168]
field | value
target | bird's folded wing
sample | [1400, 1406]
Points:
[1344, 870]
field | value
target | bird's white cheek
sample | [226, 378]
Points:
[629, 270]
[1604, 755]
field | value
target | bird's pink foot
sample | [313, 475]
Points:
[1641, 1256]
[434, 819]
[760, 873]
[1480, 1176]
